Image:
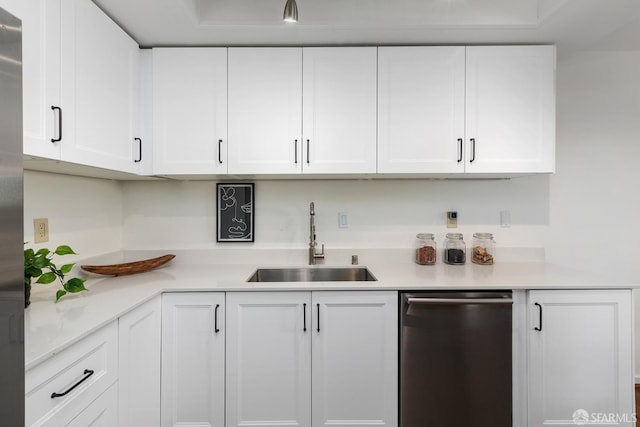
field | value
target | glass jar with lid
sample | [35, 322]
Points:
[484, 248]
[425, 249]
[455, 251]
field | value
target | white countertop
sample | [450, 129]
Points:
[51, 327]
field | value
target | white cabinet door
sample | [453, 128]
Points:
[41, 77]
[193, 351]
[355, 358]
[421, 109]
[580, 355]
[139, 358]
[265, 110]
[268, 359]
[189, 111]
[510, 109]
[102, 412]
[339, 109]
[99, 89]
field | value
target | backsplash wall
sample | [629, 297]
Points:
[84, 213]
[382, 213]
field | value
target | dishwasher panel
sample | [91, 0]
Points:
[456, 359]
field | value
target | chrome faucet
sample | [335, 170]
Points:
[313, 254]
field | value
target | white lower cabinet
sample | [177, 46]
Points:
[273, 338]
[102, 412]
[580, 357]
[139, 358]
[268, 359]
[355, 359]
[193, 350]
[59, 389]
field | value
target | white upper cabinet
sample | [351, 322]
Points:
[510, 105]
[265, 110]
[99, 90]
[480, 110]
[339, 109]
[189, 111]
[421, 109]
[41, 77]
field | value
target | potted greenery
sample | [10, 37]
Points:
[38, 265]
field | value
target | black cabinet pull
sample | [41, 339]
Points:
[59, 138]
[87, 374]
[459, 150]
[539, 327]
[307, 151]
[295, 151]
[215, 319]
[318, 307]
[473, 150]
[140, 148]
[304, 317]
[220, 151]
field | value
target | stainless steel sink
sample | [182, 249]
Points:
[317, 274]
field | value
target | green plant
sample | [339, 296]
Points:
[38, 265]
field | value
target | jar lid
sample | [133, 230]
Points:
[454, 236]
[427, 236]
[483, 235]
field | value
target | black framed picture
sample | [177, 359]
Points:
[235, 208]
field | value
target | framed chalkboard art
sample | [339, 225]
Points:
[235, 204]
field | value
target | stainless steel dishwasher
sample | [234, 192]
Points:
[455, 359]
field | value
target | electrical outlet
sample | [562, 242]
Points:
[41, 230]
[452, 219]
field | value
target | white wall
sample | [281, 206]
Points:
[595, 194]
[84, 213]
[382, 213]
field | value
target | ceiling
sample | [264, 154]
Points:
[571, 24]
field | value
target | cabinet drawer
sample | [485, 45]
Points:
[79, 374]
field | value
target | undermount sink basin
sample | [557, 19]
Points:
[311, 274]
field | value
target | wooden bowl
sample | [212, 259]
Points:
[129, 267]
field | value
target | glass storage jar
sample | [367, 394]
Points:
[484, 248]
[425, 249]
[454, 249]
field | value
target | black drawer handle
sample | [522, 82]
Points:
[215, 319]
[473, 150]
[304, 317]
[140, 148]
[318, 326]
[59, 110]
[219, 151]
[87, 374]
[539, 327]
[459, 150]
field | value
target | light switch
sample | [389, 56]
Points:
[343, 220]
[505, 219]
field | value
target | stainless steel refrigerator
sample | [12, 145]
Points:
[11, 229]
